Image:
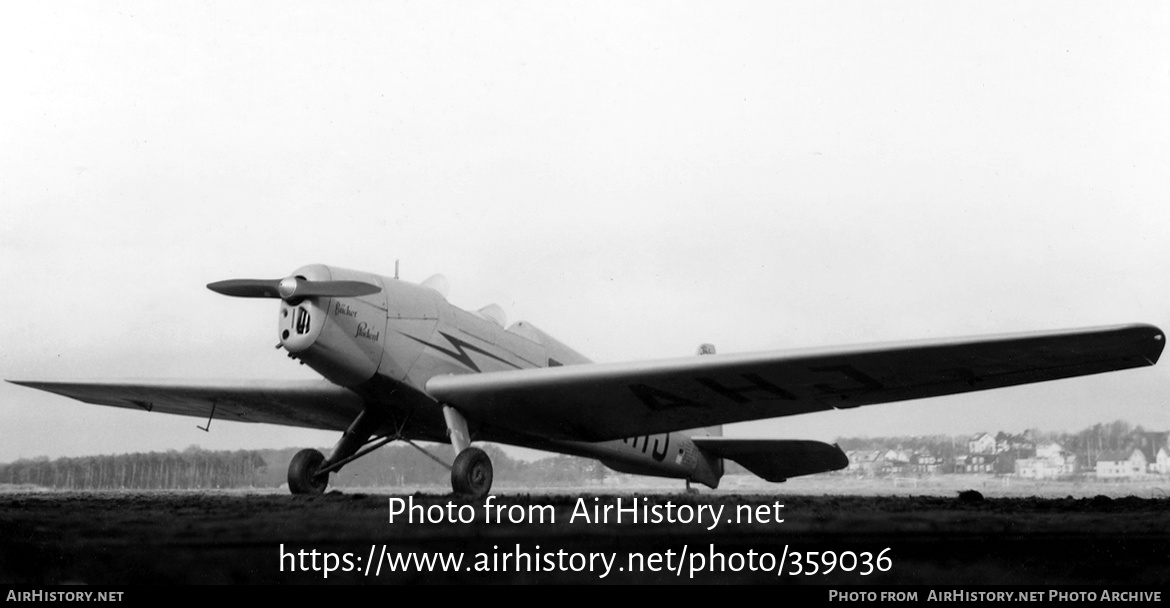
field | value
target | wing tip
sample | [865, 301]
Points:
[40, 384]
[1159, 337]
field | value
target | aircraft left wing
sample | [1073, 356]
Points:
[597, 402]
[311, 404]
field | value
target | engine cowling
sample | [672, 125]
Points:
[342, 338]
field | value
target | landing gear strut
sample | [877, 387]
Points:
[303, 476]
[471, 473]
[308, 473]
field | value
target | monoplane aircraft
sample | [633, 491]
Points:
[401, 363]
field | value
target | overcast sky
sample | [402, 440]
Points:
[635, 178]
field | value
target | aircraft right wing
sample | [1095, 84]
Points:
[597, 402]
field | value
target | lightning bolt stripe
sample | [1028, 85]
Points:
[460, 353]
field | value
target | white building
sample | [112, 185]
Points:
[1121, 465]
[1051, 462]
[1161, 464]
[983, 443]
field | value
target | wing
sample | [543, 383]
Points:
[311, 404]
[611, 401]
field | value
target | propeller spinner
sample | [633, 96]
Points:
[292, 288]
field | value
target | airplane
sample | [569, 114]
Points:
[401, 363]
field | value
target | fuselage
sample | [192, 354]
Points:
[387, 345]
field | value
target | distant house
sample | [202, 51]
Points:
[1020, 446]
[898, 456]
[896, 462]
[1161, 464]
[1121, 464]
[976, 463]
[925, 462]
[1051, 462]
[1155, 446]
[983, 443]
[866, 462]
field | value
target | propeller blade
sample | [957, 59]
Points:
[337, 289]
[291, 288]
[247, 288]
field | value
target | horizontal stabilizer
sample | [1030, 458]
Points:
[776, 459]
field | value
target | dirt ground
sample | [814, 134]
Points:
[236, 537]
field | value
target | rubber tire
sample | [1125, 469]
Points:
[300, 473]
[471, 474]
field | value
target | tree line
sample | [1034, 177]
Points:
[191, 468]
[196, 468]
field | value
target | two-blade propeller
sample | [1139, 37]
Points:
[292, 288]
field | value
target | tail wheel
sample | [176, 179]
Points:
[471, 474]
[302, 473]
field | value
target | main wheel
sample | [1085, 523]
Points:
[302, 473]
[471, 474]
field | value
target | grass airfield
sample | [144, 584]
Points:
[1019, 532]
